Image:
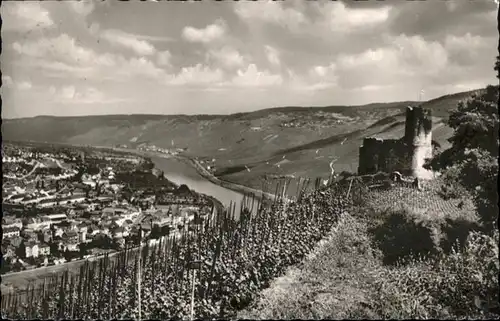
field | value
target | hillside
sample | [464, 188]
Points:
[301, 140]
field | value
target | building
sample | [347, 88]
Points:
[16, 241]
[57, 218]
[82, 236]
[44, 249]
[10, 232]
[36, 223]
[32, 249]
[68, 246]
[407, 154]
[8, 222]
[119, 232]
[71, 236]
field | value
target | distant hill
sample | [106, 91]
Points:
[308, 137]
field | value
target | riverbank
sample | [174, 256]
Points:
[244, 190]
[229, 185]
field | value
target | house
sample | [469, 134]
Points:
[58, 231]
[70, 236]
[68, 246]
[118, 232]
[44, 249]
[83, 227]
[94, 229]
[32, 249]
[82, 233]
[45, 236]
[39, 223]
[10, 232]
[71, 212]
[30, 235]
[16, 241]
[95, 215]
[11, 222]
[57, 218]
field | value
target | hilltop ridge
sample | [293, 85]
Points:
[308, 137]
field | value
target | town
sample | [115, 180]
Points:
[64, 204]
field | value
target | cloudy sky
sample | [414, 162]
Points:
[81, 58]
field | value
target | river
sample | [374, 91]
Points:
[182, 173]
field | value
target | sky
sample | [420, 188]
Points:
[161, 57]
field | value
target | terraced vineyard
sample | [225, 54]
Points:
[233, 260]
[426, 202]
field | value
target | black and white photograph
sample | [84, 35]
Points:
[250, 160]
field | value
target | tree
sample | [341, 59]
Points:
[472, 160]
[497, 66]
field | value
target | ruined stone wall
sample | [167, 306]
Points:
[406, 155]
[377, 155]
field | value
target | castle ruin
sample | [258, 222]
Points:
[407, 154]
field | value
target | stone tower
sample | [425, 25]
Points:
[418, 138]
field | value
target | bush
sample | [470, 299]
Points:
[402, 236]
[463, 284]
[452, 191]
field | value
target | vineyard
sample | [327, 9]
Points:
[426, 201]
[221, 266]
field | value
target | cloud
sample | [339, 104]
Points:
[67, 93]
[270, 12]
[88, 95]
[467, 49]
[444, 18]
[83, 8]
[340, 18]
[208, 34]
[62, 48]
[402, 59]
[129, 41]
[405, 57]
[318, 78]
[252, 77]
[273, 55]
[25, 85]
[197, 75]
[323, 72]
[8, 82]
[63, 57]
[25, 16]
[153, 38]
[163, 58]
[226, 56]
[140, 67]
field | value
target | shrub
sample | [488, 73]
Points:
[402, 235]
[452, 191]
[463, 284]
